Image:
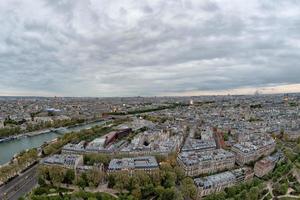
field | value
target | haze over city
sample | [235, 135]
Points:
[148, 48]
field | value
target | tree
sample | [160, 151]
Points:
[122, 182]
[82, 182]
[143, 178]
[280, 189]
[179, 173]
[57, 175]
[69, 176]
[95, 176]
[298, 149]
[254, 192]
[169, 179]
[167, 194]
[136, 193]
[188, 188]
[41, 181]
[148, 191]
[217, 196]
[231, 191]
[111, 181]
[43, 172]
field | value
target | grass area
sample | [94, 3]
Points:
[49, 190]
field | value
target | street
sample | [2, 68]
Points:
[20, 185]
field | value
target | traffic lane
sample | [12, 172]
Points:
[18, 181]
[26, 188]
[30, 172]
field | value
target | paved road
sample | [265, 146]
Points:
[20, 185]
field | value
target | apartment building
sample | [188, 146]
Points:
[195, 163]
[63, 160]
[218, 182]
[247, 152]
[147, 164]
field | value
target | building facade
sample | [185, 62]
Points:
[63, 160]
[247, 152]
[147, 164]
[218, 182]
[196, 163]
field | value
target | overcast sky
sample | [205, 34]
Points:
[155, 47]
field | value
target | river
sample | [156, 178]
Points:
[10, 148]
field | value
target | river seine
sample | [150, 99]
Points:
[10, 148]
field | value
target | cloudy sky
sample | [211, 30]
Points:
[148, 47]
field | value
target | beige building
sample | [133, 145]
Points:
[196, 163]
[218, 182]
[263, 167]
[247, 152]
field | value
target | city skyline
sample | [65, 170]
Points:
[148, 48]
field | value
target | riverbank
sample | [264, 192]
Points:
[48, 130]
[13, 146]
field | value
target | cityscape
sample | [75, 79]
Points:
[206, 147]
[149, 100]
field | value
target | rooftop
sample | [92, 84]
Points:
[194, 157]
[133, 163]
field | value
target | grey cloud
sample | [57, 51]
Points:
[116, 48]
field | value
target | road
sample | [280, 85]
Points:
[20, 185]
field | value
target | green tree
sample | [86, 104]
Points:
[169, 179]
[41, 181]
[179, 173]
[122, 182]
[57, 175]
[280, 189]
[188, 188]
[253, 194]
[95, 176]
[69, 176]
[136, 193]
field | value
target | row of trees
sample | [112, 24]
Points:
[155, 119]
[54, 124]
[22, 161]
[15, 129]
[56, 176]
[9, 131]
[248, 191]
[169, 183]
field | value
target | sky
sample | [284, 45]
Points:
[149, 47]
